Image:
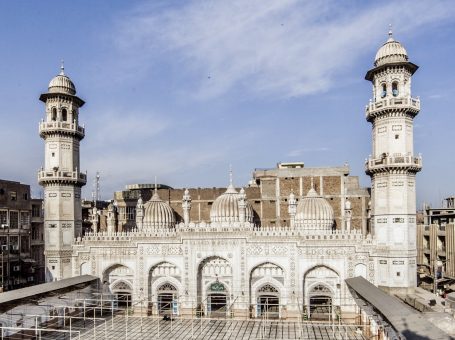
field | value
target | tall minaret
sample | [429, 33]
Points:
[61, 177]
[393, 167]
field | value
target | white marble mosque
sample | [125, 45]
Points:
[230, 265]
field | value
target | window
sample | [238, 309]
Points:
[64, 115]
[54, 114]
[3, 217]
[397, 136]
[13, 219]
[398, 274]
[13, 196]
[395, 89]
[130, 213]
[25, 218]
[53, 154]
[384, 90]
[36, 210]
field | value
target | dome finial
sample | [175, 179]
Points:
[62, 68]
[230, 175]
[312, 182]
[390, 33]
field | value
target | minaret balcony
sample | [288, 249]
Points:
[408, 103]
[398, 162]
[61, 127]
[74, 177]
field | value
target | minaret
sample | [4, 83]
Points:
[61, 177]
[292, 208]
[393, 167]
[186, 206]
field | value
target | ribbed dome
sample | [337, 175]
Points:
[226, 208]
[391, 52]
[158, 214]
[62, 84]
[314, 213]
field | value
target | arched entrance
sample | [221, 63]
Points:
[320, 306]
[268, 302]
[213, 296]
[217, 300]
[167, 300]
[122, 293]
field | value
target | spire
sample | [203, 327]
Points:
[230, 175]
[155, 192]
[62, 68]
[390, 33]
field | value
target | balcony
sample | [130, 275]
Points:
[62, 127]
[397, 162]
[75, 177]
[409, 103]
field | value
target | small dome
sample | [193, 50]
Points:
[158, 214]
[226, 208]
[391, 52]
[62, 84]
[314, 213]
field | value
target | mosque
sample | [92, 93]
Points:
[281, 246]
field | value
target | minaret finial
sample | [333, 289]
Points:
[62, 68]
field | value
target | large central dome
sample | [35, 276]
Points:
[228, 207]
[158, 214]
[314, 213]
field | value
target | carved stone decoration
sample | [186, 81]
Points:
[255, 250]
[267, 288]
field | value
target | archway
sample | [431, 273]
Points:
[321, 288]
[213, 295]
[167, 300]
[320, 303]
[217, 300]
[122, 292]
[268, 302]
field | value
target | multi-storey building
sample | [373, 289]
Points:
[37, 240]
[17, 266]
[436, 247]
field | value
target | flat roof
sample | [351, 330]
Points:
[409, 322]
[44, 288]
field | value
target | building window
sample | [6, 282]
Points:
[13, 196]
[395, 89]
[36, 210]
[25, 196]
[64, 115]
[13, 219]
[398, 274]
[25, 218]
[397, 136]
[3, 217]
[130, 213]
[54, 114]
[384, 90]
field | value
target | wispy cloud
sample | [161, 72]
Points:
[301, 152]
[286, 48]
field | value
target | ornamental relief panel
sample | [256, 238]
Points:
[255, 250]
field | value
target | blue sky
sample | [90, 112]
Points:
[181, 89]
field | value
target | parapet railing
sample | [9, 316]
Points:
[392, 102]
[70, 127]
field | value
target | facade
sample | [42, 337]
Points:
[17, 265]
[280, 247]
[37, 240]
[436, 247]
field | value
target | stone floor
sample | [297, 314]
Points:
[133, 328]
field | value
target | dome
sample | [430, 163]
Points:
[158, 214]
[62, 84]
[391, 52]
[226, 208]
[314, 213]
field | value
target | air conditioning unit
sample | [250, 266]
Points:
[4, 247]
[15, 247]
[16, 268]
[4, 226]
[30, 279]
